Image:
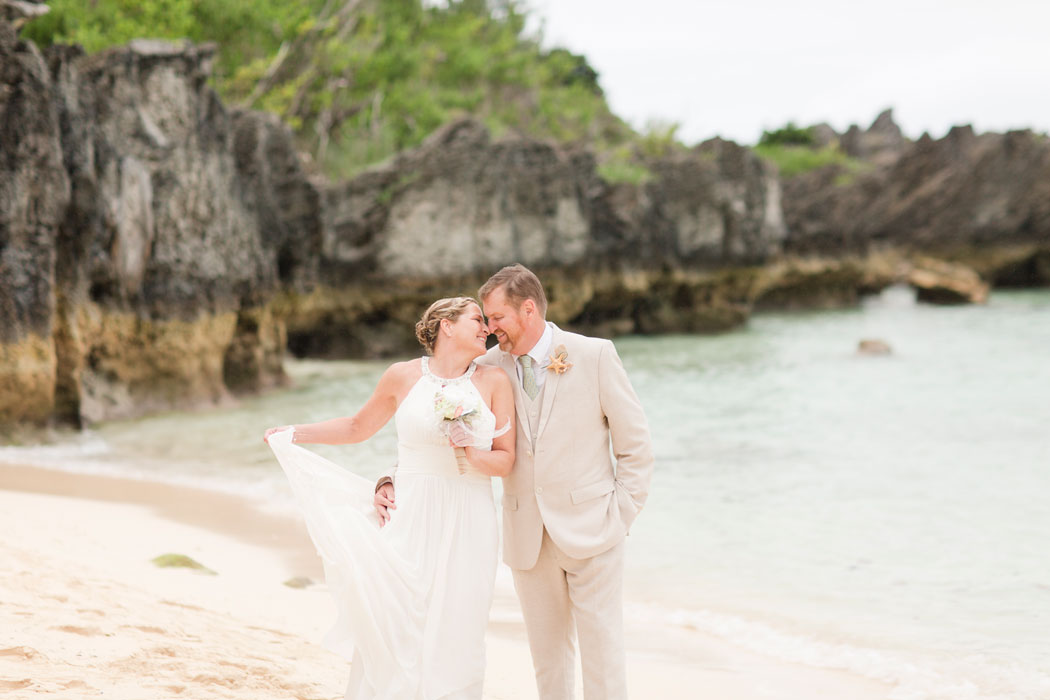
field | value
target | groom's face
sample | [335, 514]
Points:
[506, 321]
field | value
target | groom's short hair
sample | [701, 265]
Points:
[518, 284]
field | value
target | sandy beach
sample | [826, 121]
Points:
[85, 613]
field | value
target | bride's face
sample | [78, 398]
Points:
[469, 330]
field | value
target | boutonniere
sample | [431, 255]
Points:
[559, 361]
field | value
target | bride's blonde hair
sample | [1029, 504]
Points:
[428, 327]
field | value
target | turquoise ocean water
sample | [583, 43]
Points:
[888, 516]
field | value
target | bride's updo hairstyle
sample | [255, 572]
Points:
[429, 326]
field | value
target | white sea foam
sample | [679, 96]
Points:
[78, 446]
[915, 675]
[90, 454]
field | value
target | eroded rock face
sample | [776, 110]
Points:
[157, 206]
[940, 282]
[180, 232]
[34, 194]
[284, 204]
[882, 143]
[962, 192]
[18, 12]
[716, 205]
[440, 219]
[159, 250]
[461, 204]
[1026, 266]
[145, 231]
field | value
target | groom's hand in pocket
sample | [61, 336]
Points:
[383, 501]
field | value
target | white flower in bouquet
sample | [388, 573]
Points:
[452, 405]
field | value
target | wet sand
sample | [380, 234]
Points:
[85, 613]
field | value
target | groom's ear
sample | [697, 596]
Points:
[528, 307]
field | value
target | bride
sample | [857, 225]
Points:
[413, 597]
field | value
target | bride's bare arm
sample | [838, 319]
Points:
[500, 459]
[379, 408]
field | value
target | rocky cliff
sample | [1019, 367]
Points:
[34, 194]
[158, 249]
[981, 199]
[440, 219]
[144, 230]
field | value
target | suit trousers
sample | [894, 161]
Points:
[559, 590]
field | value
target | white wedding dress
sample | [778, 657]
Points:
[413, 597]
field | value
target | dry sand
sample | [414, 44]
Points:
[84, 613]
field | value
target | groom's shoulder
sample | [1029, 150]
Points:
[492, 357]
[584, 343]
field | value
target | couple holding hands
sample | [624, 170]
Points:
[552, 413]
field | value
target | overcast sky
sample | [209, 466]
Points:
[735, 67]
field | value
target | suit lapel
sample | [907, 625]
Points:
[550, 384]
[507, 363]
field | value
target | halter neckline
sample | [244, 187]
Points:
[444, 381]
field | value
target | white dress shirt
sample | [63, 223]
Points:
[540, 355]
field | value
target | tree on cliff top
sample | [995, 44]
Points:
[359, 80]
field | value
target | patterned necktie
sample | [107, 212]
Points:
[528, 377]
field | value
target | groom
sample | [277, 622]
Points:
[566, 505]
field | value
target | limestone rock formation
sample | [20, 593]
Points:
[819, 283]
[964, 197]
[462, 204]
[882, 143]
[34, 194]
[1024, 266]
[159, 250]
[824, 136]
[715, 205]
[940, 282]
[18, 12]
[439, 219]
[144, 233]
[873, 347]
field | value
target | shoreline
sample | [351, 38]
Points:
[81, 583]
[215, 511]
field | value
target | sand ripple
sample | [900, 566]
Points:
[92, 636]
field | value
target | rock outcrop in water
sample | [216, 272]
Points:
[159, 250]
[940, 282]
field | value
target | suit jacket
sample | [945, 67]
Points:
[565, 477]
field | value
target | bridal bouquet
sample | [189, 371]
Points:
[452, 406]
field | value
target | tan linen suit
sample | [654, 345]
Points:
[567, 508]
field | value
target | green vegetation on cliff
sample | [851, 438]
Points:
[793, 149]
[245, 30]
[359, 80]
[789, 135]
[792, 160]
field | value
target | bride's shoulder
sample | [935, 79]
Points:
[402, 372]
[491, 374]
[407, 366]
[487, 371]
